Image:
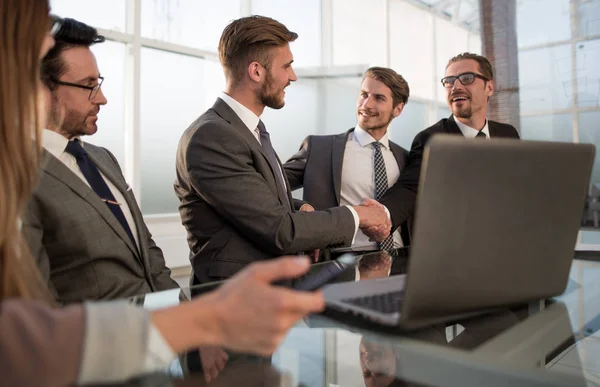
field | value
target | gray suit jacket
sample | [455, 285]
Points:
[317, 168]
[232, 206]
[81, 248]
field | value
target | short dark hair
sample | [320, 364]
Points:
[393, 80]
[251, 39]
[71, 34]
[485, 67]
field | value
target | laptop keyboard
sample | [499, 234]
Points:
[383, 303]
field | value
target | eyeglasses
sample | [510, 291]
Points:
[93, 89]
[464, 78]
[54, 24]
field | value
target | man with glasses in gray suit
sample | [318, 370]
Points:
[83, 224]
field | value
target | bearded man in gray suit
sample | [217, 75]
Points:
[83, 224]
[235, 199]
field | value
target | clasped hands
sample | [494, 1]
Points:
[374, 220]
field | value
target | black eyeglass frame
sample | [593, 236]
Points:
[93, 89]
[449, 81]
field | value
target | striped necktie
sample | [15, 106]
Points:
[381, 185]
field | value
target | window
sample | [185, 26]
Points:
[413, 56]
[588, 73]
[557, 127]
[589, 18]
[533, 28]
[339, 109]
[188, 22]
[411, 121]
[296, 120]
[589, 132]
[111, 120]
[352, 44]
[305, 20]
[545, 79]
[443, 112]
[110, 14]
[170, 101]
[474, 43]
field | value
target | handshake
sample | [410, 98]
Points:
[374, 221]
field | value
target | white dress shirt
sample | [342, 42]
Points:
[251, 121]
[159, 355]
[56, 144]
[246, 115]
[358, 178]
[469, 132]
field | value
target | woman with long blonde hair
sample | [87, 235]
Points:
[41, 345]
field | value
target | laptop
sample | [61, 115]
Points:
[496, 225]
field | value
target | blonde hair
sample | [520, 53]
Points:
[24, 23]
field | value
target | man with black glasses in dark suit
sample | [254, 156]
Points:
[469, 83]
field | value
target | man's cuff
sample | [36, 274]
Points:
[159, 354]
[356, 221]
[387, 212]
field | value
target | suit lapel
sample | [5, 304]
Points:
[54, 167]
[398, 155]
[337, 159]
[451, 127]
[114, 177]
[230, 116]
[495, 130]
[287, 184]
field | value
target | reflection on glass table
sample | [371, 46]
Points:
[591, 213]
[542, 343]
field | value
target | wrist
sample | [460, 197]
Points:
[307, 208]
[359, 214]
[188, 326]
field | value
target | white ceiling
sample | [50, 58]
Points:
[462, 12]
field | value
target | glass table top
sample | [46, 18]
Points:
[546, 342]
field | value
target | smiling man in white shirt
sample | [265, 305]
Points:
[361, 163]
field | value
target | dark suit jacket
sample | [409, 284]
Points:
[80, 247]
[317, 167]
[233, 207]
[401, 197]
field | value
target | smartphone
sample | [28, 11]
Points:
[326, 273]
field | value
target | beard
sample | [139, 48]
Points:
[463, 112]
[74, 123]
[269, 97]
[67, 122]
[378, 125]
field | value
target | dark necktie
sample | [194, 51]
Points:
[481, 135]
[381, 185]
[265, 141]
[93, 177]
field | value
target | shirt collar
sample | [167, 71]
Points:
[469, 132]
[55, 143]
[246, 115]
[364, 138]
